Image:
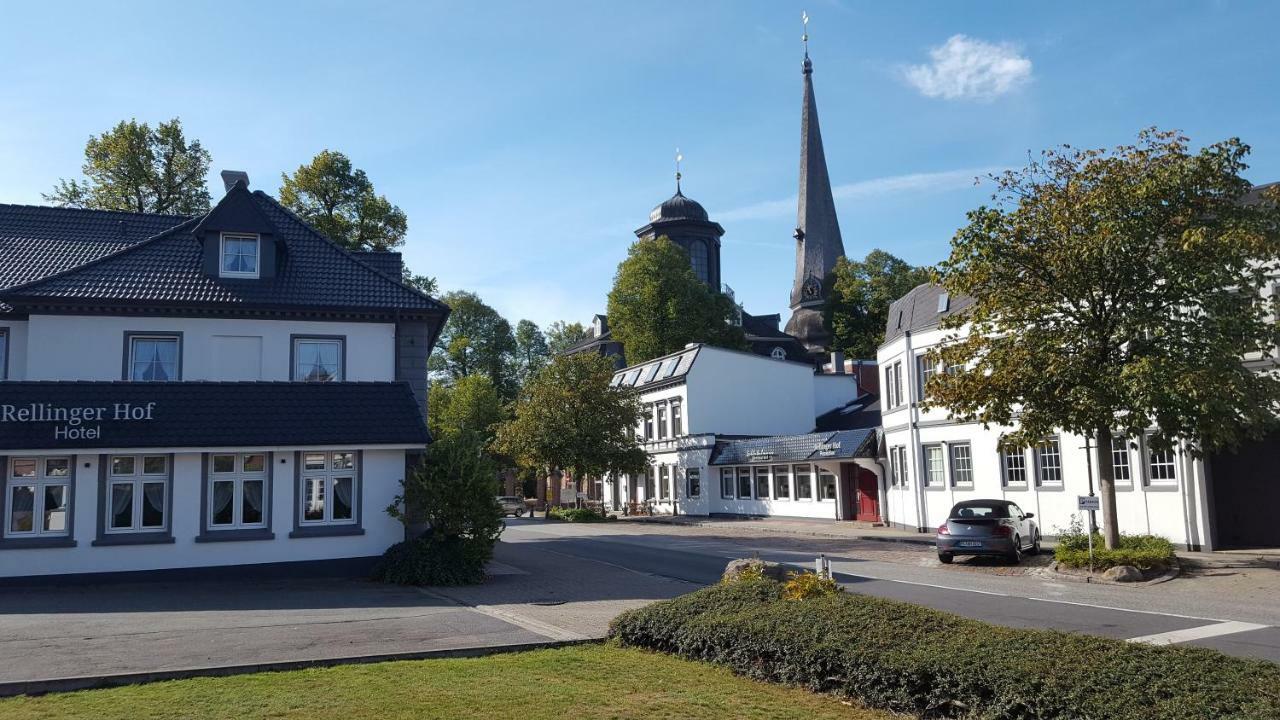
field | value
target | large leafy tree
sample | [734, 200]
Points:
[138, 168]
[532, 352]
[561, 335]
[339, 200]
[468, 404]
[569, 417]
[861, 292]
[657, 305]
[476, 340]
[1117, 292]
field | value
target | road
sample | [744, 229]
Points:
[1178, 612]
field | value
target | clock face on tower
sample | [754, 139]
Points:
[812, 289]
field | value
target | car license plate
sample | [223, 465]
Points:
[969, 544]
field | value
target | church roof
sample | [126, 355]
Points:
[678, 207]
[817, 227]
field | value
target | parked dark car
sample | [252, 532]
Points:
[511, 505]
[988, 527]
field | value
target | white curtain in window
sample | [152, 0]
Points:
[155, 495]
[342, 489]
[222, 496]
[121, 499]
[253, 495]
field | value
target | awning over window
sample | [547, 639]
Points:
[83, 415]
[845, 444]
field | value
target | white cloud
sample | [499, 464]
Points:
[963, 68]
[914, 183]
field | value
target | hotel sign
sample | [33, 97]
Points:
[76, 422]
[829, 449]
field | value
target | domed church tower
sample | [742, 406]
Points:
[818, 242]
[686, 224]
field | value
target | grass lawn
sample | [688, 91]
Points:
[590, 681]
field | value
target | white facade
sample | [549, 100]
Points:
[934, 462]
[713, 394]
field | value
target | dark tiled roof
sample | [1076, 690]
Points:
[388, 263]
[665, 370]
[218, 414]
[918, 310]
[37, 242]
[794, 448]
[167, 269]
[863, 412]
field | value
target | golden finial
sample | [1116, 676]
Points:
[679, 157]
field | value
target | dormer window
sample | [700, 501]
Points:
[240, 255]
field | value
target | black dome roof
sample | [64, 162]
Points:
[678, 207]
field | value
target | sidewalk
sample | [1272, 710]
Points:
[836, 529]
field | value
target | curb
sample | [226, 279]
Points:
[1168, 575]
[925, 539]
[89, 682]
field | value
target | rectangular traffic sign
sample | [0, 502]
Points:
[1088, 502]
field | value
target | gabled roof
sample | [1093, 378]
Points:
[167, 270]
[38, 241]
[922, 308]
[795, 448]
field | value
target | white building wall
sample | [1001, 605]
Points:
[734, 393]
[1176, 511]
[380, 483]
[833, 391]
[212, 349]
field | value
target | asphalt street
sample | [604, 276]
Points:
[1160, 614]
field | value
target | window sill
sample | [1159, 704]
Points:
[327, 531]
[143, 538]
[1151, 487]
[1055, 487]
[36, 543]
[234, 535]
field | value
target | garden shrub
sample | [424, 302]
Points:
[582, 515]
[450, 495]
[926, 663]
[1145, 552]
[807, 585]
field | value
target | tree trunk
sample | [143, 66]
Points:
[1107, 488]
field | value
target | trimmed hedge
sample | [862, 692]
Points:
[1145, 552]
[914, 660]
[585, 515]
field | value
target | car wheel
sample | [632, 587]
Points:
[519, 513]
[1035, 546]
[1015, 555]
[946, 558]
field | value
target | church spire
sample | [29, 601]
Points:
[818, 242]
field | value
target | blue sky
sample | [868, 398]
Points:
[526, 141]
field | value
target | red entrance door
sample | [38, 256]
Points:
[868, 496]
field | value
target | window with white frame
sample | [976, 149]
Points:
[893, 384]
[240, 255]
[781, 482]
[693, 482]
[237, 491]
[664, 482]
[648, 484]
[662, 420]
[726, 483]
[1121, 469]
[804, 482]
[934, 470]
[1013, 465]
[898, 466]
[38, 497]
[155, 358]
[677, 419]
[328, 488]
[137, 498]
[926, 368]
[762, 482]
[318, 359]
[744, 483]
[1162, 466]
[961, 465]
[1049, 463]
[648, 422]
[826, 485]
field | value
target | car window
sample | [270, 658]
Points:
[979, 510]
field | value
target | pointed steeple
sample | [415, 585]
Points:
[817, 234]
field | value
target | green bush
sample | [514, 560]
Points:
[922, 662]
[583, 515]
[1145, 552]
[807, 585]
[431, 561]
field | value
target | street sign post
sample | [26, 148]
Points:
[1090, 503]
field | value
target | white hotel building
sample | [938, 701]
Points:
[227, 393]
[737, 433]
[934, 461]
